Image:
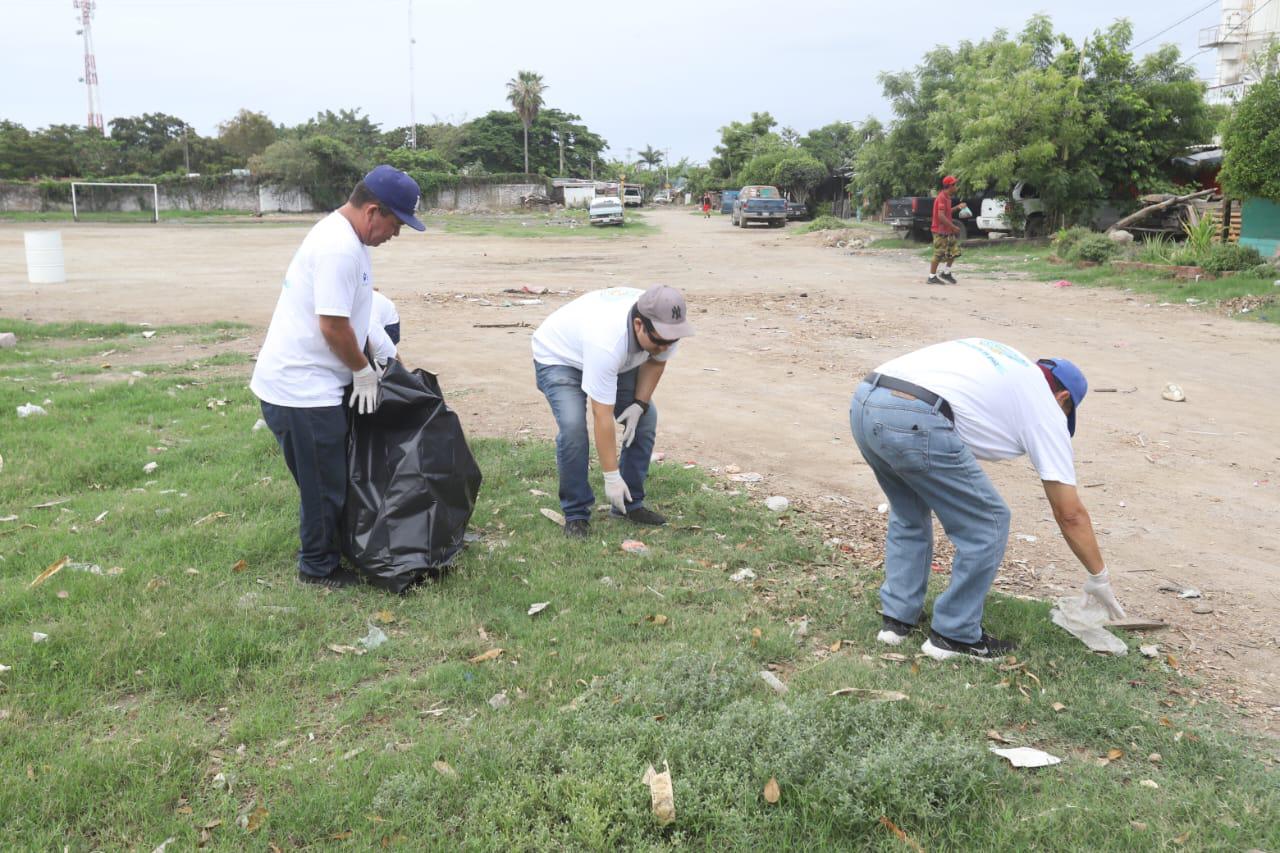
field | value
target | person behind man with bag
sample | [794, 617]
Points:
[315, 347]
[608, 349]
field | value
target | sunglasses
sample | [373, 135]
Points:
[653, 335]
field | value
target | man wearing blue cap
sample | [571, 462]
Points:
[922, 421]
[315, 347]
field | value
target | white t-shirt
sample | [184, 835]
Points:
[592, 334]
[1002, 404]
[384, 311]
[328, 275]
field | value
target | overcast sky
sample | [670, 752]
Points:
[660, 73]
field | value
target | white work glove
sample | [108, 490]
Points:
[364, 393]
[1097, 588]
[630, 419]
[616, 489]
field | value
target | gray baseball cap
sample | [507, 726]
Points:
[664, 307]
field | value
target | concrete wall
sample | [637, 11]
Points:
[1260, 226]
[578, 196]
[482, 196]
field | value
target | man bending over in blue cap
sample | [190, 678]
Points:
[922, 421]
[315, 347]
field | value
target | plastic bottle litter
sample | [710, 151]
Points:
[374, 638]
[773, 681]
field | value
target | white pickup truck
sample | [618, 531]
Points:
[605, 210]
[994, 215]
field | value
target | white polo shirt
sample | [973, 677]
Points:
[1003, 406]
[592, 333]
[384, 311]
[329, 275]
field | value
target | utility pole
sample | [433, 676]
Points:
[413, 121]
[90, 78]
[666, 161]
[186, 150]
[560, 136]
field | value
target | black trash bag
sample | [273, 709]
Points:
[412, 483]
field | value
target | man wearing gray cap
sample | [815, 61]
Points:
[608, 349]
[315, 347]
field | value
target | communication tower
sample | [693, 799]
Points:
[90, 78]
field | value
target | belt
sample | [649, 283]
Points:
[924, 395]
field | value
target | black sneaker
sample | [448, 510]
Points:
[987, 649]
[947, 277]
[893, 632]
[336, 579]
[644, 515]
[933, 279]
[577, 528]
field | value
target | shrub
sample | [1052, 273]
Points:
[1065, 240]
[1226, 257]
[826, 222]
[1098, 248]
[1265, 270]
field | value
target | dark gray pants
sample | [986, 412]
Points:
[314, 443]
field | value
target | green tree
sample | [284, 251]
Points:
[246, 134]
[1251, 143]
[835, 144]
[493, 141]
[141, 140]
[525, 94]
[349, 127]
[326, 168]
[740, 141]
[418, 160]
[790, 170]
[650, 156]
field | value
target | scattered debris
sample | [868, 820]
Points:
[37, 637]
[1025, 756]
[443, 768]
[163, 846]
[52, 504]
[150, 468]
[1150, 783]
[1151, 651]
[882, 508]
[658, 456]
[1202, 609]
[1086, 625]
[339, 649]
[49, 572]
[771, 791]
[1062, 282]
[777, 503]
[535, 609]
[1137, 623]
[30, 409]
[8, 340]
[553, 515]
[491, 654]
[1190, 592]
[608, 581]
[1025, 537]
[149, 334]
[872, 695]
[635, 546]
[900, 834]
[259, 424]
[747, 477]
[239, 566]
[742, 575]
[773, 681]
[661, 794]
[213, 516]
[1173, 393]
[374, 638]
[498, 701]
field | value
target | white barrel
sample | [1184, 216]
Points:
[44, 257]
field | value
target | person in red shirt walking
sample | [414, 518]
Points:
[706, 207]
[946, 247]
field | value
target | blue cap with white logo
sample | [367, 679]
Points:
[397, 191]
[1070, 377]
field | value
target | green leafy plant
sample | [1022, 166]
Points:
[1200, 235]
[1064, 242]
[1229, 257]
[826, 222]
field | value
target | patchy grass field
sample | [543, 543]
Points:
[132, 217]
[535, 224]
[1035, 262]
[177, 696]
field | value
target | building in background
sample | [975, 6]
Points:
[1246, 28]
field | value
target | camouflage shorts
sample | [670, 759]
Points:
[946, 248]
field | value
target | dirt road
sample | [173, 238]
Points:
[1183, 494]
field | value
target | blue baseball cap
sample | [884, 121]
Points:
[397, 191]
[1070, 377]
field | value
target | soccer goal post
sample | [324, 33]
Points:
[124, 205]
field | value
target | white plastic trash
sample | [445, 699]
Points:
[44, 257]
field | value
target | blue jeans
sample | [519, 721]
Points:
[924, 468]
[314, 443]
[562, 387]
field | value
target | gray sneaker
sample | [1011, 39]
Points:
[933, 279]
[947, 277]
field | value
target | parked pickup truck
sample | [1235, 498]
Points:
[994, 215]
[605, 210]
[760, 204]
[912, 216]
[632, 195]
[727, 198]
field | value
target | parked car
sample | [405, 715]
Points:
[994, 215]
[727, 198]
[759, 204]
[798, 210]
[661, 197]
[605, 210]
[912, 216]
[632, 195]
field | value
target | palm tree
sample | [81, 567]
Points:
[525, 94]
[651, 156]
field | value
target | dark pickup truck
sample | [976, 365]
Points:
[912, 216]
[759, 204]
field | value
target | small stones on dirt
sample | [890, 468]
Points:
[777, 503]
[498, 701]
[1173, 393]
